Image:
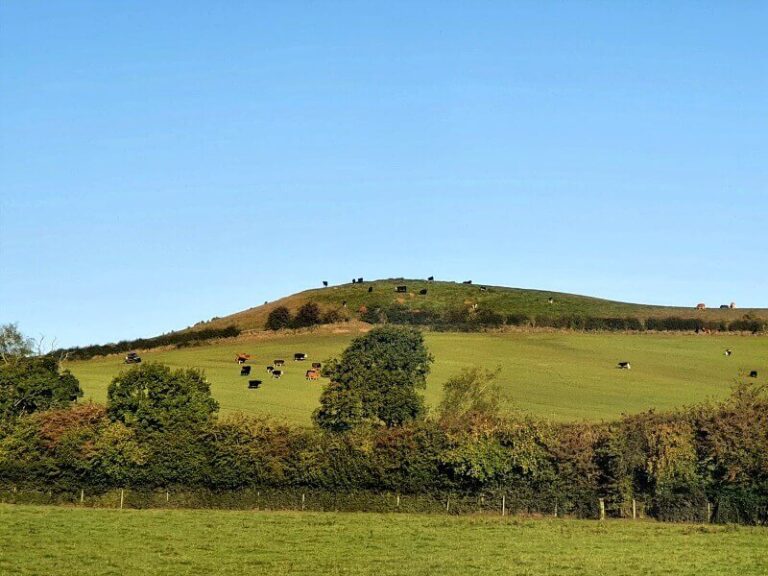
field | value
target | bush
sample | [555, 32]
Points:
[279, 318]
[307, 316]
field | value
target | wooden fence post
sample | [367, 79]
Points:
[447, 503]
[555, 509]
[634, 509]
[167, 496]
[709, 512]
[82, 495]
[503, 504]
[602, 509]
[302, 500]
[122, 496]
[398, 500]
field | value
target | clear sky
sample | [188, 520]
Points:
[165, 162]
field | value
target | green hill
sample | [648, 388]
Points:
[442, 298]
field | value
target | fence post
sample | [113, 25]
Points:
[634, 509]
[555, 509]
[122, 496]
[602, 509]
[448, 504]
[398, 500]
[709, 512]
[82, 496]
[167, 496]
[302, 500]
[503, 504]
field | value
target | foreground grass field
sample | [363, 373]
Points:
[559, 375]
[41, 541]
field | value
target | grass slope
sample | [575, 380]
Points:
[559, 375]
[39, 541]
[442, 296]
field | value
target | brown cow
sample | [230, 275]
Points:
[312, 375]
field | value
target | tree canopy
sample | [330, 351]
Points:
[34, 383]
[376, 381]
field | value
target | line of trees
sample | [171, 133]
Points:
[372, 433]
[308, 315]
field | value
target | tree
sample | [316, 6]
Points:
[13, 344]
[279, 318]
[376, 381]
[471, 395]
[153, 398]
[308, 315]
[30, 384]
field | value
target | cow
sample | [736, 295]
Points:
[359, 280]
[325, 283]
[728, 352]
[132, 358]
[344, 304]
[253, 384]
[624, 366]
[311, 375]
[483, 289]
[279, 363]
[423, 291]
[370, 289]
[724, 307]
[467, 282]
[401, 289]
[270, 368]
[551, 300]
[354, 281]
[245, 371]
[299, 356]
[732, 305]
[753, 374]
[431, 279]
[243, 358]
[277, 373]
[701, 306]
[316, 365]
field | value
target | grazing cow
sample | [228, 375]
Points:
[132, 358]
[279, 363]
[316, 365]
[551, 300]
[370, 289]
[277, 373]
[483, 288]
[354, 281]
[344, 304]
[431, 279]
[311, 375]
[270, 368]
[467, 282]
[728, 352]
[359, 280]
[624, 366]
[401, 289]
[243, 358]
[701, 306]
[325, 283]
[753, 374]
[724, 307]
[253, 384]
[245, 371]
[423, 291]
[299, 356]
[732, 305]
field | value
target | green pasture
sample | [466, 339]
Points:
[559, 375]
[43, 541]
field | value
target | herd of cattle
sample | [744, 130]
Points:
[277, 368]
[625, 365]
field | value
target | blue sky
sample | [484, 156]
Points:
[166, 162]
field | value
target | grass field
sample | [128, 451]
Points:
[42, 541]
[560, 375]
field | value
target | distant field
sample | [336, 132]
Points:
[38, 541]
[560, 375]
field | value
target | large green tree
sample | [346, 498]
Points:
[33, 383]
[376, 380]
[153, 398]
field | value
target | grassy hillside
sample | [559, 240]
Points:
[561, 375]
[443, 296]
[40, 541]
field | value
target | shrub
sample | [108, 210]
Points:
[279, 318]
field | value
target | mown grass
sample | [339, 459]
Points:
[46, 541]
[558, 375]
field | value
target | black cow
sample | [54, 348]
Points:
[724, 307]
[277, 373]
[245, 371]
[551, 300]
[359, 280]
[344, 304]
[354, 281]
[483, 288]
[728, 352]
[467, 282]
[325, 283]
[370, 289]
[270, 368]
[423, 291]
[132, 358]
[624, 366]
[253, 384]
[279, 362]
[316, 365]
[401, 289]
[431, 279]
[753, 374]
[299, 356]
